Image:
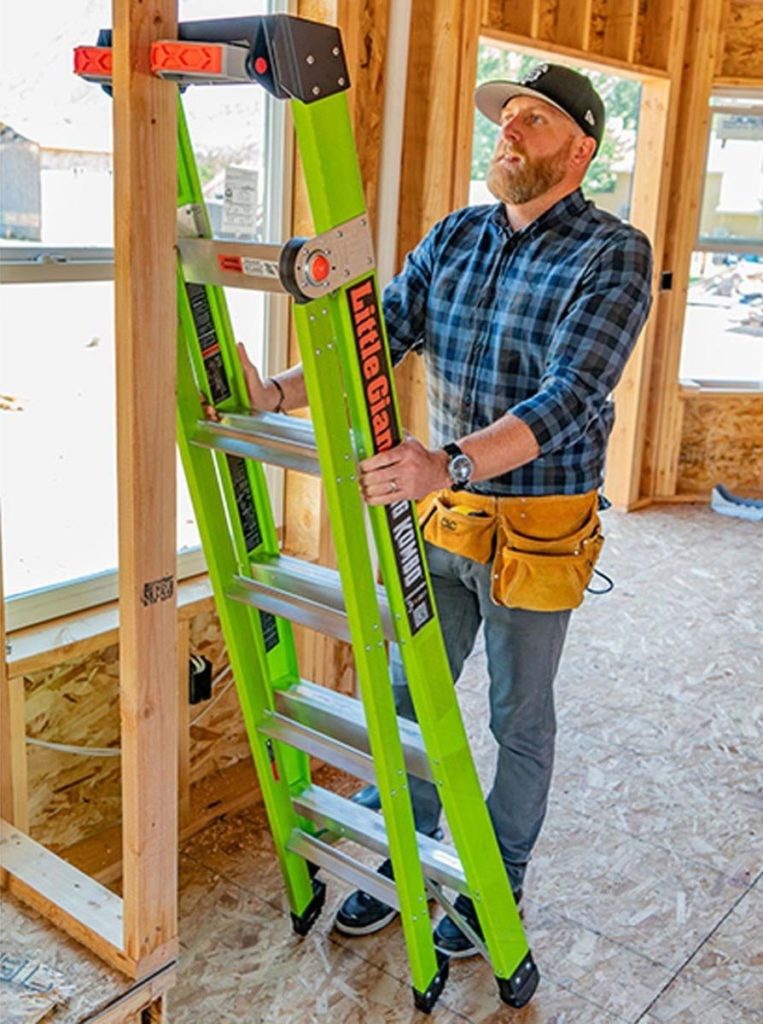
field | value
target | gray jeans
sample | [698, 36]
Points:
[523, 650]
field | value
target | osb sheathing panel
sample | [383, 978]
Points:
[218, 738]
[82, 984]
[598, 26]
[721, 442]
[547, 19]
[743, 51]
[640, 902]
[77, 703]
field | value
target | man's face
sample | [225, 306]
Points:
[533, 150]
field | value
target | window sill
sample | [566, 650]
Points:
[49, 643]
[724, 389]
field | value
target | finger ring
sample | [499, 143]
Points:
[392, 486]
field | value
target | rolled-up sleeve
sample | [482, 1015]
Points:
[405, 301]
[592, 344]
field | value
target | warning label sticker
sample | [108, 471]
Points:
[247, 513]
[209, 343]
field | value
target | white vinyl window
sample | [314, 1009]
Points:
[723, 329]
[57, 377]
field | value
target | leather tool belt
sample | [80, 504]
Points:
[543, 549]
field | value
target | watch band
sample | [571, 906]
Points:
[452, 449]
[460, 466]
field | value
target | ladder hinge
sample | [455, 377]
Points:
[312, 267]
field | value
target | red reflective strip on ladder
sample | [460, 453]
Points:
[196, 57]
[92, 60]
[232, 263]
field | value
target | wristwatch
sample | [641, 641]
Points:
[460, 467]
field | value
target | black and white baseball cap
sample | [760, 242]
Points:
[563, 88]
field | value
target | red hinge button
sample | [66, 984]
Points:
[318, 268]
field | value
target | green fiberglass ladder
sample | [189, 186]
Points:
[259, 591]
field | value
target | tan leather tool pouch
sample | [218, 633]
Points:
[546, 552]
[460, 522]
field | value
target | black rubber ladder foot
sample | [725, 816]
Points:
[302, 923]
[519, 989]
[425, 1001]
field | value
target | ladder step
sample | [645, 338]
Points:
[302, 592]
[231, 264]
[439, 862]
[267, 437]
[342, 718]
[317, 744]
[343, 866]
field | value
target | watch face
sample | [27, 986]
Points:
[460, 469]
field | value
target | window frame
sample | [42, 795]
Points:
[704, 243]
[40, 263]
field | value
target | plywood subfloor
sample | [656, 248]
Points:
[641, 902]
[45, 976]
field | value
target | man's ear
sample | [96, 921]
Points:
[583, 150]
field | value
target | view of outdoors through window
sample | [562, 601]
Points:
[723, 330]
[609, 179]
[57, 386]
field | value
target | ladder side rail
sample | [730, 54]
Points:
[219, 376]
[244, 642]
[260, 646]
[323, 381]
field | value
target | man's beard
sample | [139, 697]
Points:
[530, 179]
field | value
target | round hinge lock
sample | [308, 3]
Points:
[317, 267]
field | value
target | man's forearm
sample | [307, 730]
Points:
[504, 445]
[293, 383]
[412, 471]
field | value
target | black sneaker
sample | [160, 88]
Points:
[361, 913]
[449, 938]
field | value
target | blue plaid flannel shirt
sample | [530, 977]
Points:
[538, 322]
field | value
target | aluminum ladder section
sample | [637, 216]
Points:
[260, 591]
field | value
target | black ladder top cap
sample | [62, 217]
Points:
[292, 58]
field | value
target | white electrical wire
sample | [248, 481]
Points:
[69, 748]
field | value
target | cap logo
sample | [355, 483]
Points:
[589, 117]
[535, 74]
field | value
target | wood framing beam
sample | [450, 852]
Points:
[184, 729]
[567, 54]
[573, 23]
[64, 895]
[520, 16]
[145, 169]
[620, 29]
[662, 33]
[624, 454]
[686, 176]
[14, 805]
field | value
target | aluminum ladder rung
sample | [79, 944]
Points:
[341, 817]
[267, 437]
[319, 744]
[343, 719]
[302, 592]
[343, 866]
[231, 264]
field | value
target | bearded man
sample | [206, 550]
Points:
[525, 313]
